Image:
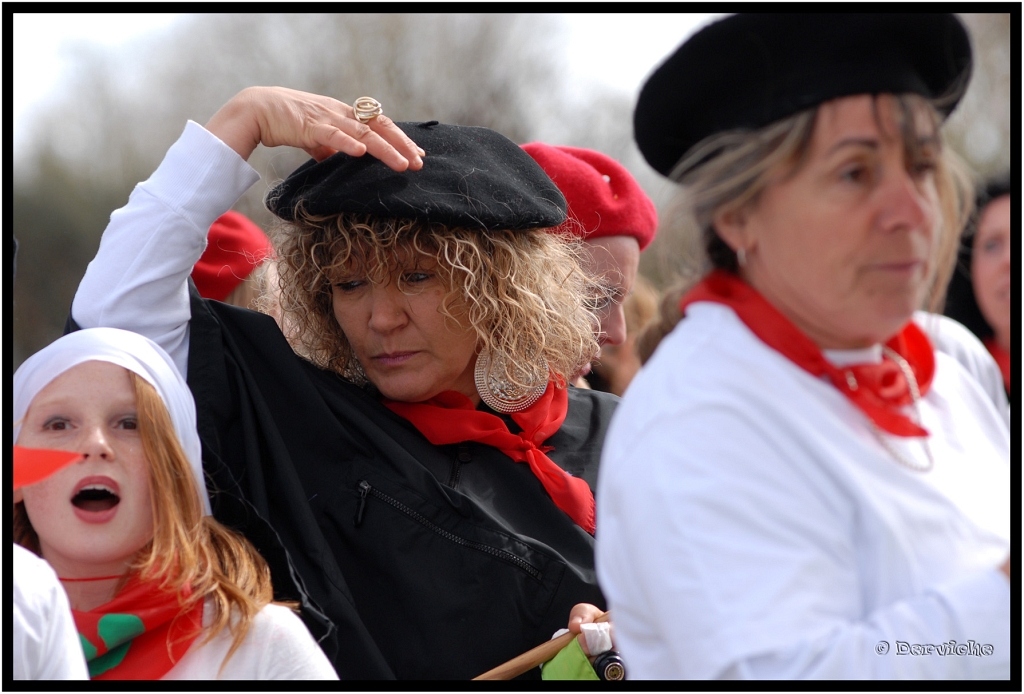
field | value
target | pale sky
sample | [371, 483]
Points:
[616, 49]
[41, 54]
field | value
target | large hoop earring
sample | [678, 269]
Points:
[500, 394]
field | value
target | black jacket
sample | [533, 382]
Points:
[411, 560]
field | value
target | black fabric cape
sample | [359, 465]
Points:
[410, 560]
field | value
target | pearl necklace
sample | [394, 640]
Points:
[915, 396]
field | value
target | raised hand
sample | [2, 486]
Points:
[320, 125]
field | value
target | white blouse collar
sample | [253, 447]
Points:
[847, 357]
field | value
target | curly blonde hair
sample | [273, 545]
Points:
[526, 294]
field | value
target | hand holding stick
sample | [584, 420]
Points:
[535, 656]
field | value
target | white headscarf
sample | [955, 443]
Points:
[132, 351]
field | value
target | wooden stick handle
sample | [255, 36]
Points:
[534, 657]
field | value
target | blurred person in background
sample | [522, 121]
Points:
[618, 364]
[238, 267]
[979, 292]
[667, 315]
[235, 249]
[798, 484]
[609, 210]
[419, 476]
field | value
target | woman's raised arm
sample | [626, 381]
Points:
[138, 279]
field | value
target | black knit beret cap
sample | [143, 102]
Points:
[749, 70]
[471, 177]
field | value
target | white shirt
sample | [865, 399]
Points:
[277, 647]
[138, 279]
[953, 338]
[752, 525]
[45, 641]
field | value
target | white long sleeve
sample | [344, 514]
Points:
[752, 525]
[138, 279]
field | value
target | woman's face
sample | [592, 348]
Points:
[844, 245]
[990, 267]
[615, 260]
[405, 345]
[93, 516]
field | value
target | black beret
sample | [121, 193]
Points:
[471, 177]
[749, 70]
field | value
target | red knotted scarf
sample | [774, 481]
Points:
[139, 635]
[878, 390]
[451, 418]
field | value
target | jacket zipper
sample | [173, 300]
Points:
[463, 456]
[366, 490]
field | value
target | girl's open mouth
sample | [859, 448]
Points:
[96, 499]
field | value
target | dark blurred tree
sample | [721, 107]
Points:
[58, 223]
[116, 120]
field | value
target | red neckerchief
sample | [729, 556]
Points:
[879, 390]
[436, 419]
[1002, 358]
[139, 635]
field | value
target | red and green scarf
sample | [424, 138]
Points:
[139, 635]
[877, 390]
[451, 418]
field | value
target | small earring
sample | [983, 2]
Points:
[501, 395]
[741, 256]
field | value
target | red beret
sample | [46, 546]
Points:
[234, 248]
[603, 197]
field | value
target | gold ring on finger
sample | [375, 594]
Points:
[367, 108]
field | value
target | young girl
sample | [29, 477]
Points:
[158, 589]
